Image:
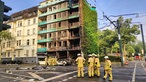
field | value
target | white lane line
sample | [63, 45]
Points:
[52, 78]
[143, 67]
[70, 77]
[134, 73]
[74, 76]
[65, 80]
[35, 75]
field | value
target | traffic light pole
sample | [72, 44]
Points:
[119, 38]
[143, 41]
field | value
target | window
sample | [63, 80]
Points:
[19, 23]
[60, 44]
[59, 15]
[33, 41]
[8, 44]
[3, 45]
[54, 16]
[27, 52]
[34, 20]
[54, 8]
[19, 42]
[59, 34]
[32, 52]
[28, 22]
[8, 54]
[50, 35]
[64, 44]
[59, 24]
[49, 45]
[27, 42]
[18, 53]
[50, 9]
[28, 32]
[20, 33]
[33, 30]
[54, 44]
[17, 33]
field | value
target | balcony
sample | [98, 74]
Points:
[42, 23]
[47, 31]
[41, 49]
[59, 10]
[44, 40]
[51, 3]
[57, 20]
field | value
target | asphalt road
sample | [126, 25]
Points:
[134, 72]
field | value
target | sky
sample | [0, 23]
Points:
[109, 7]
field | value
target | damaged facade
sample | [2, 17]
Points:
[54, 28]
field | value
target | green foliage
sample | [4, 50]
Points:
[115, 47]
[130, 50]
[90, 38]
[107, 39]
[5, 35]
[128, 32]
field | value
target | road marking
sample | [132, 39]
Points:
[47, 72]
[134, 72]
[70, 77]
[65, 80]
[35, 75]
[143, 67]
[58, 76]
[11, 77]
[18, 75]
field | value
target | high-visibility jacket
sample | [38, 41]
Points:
[80, 61]
[91, 61]
[108, 65]
[97, 62]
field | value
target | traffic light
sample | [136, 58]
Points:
[3, 17]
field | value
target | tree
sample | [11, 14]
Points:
[107, 39]
[115, 47]
[4, 36]
[128, 32]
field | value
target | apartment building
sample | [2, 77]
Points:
[60, 28]
[24, 29]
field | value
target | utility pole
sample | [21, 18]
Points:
[143, 41]
[119, 37]
[120, 42]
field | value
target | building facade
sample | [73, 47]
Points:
[55, 28]
[24, 30]
[60, 28]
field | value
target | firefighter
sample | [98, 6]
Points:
[90, 66]
[108, 69]
[97, 66]
[80, 62]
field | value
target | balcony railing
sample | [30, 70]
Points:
[47, 31]
[44, 40]
[51, 3]
[41, 49]
[57, 20]
[56, 11]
